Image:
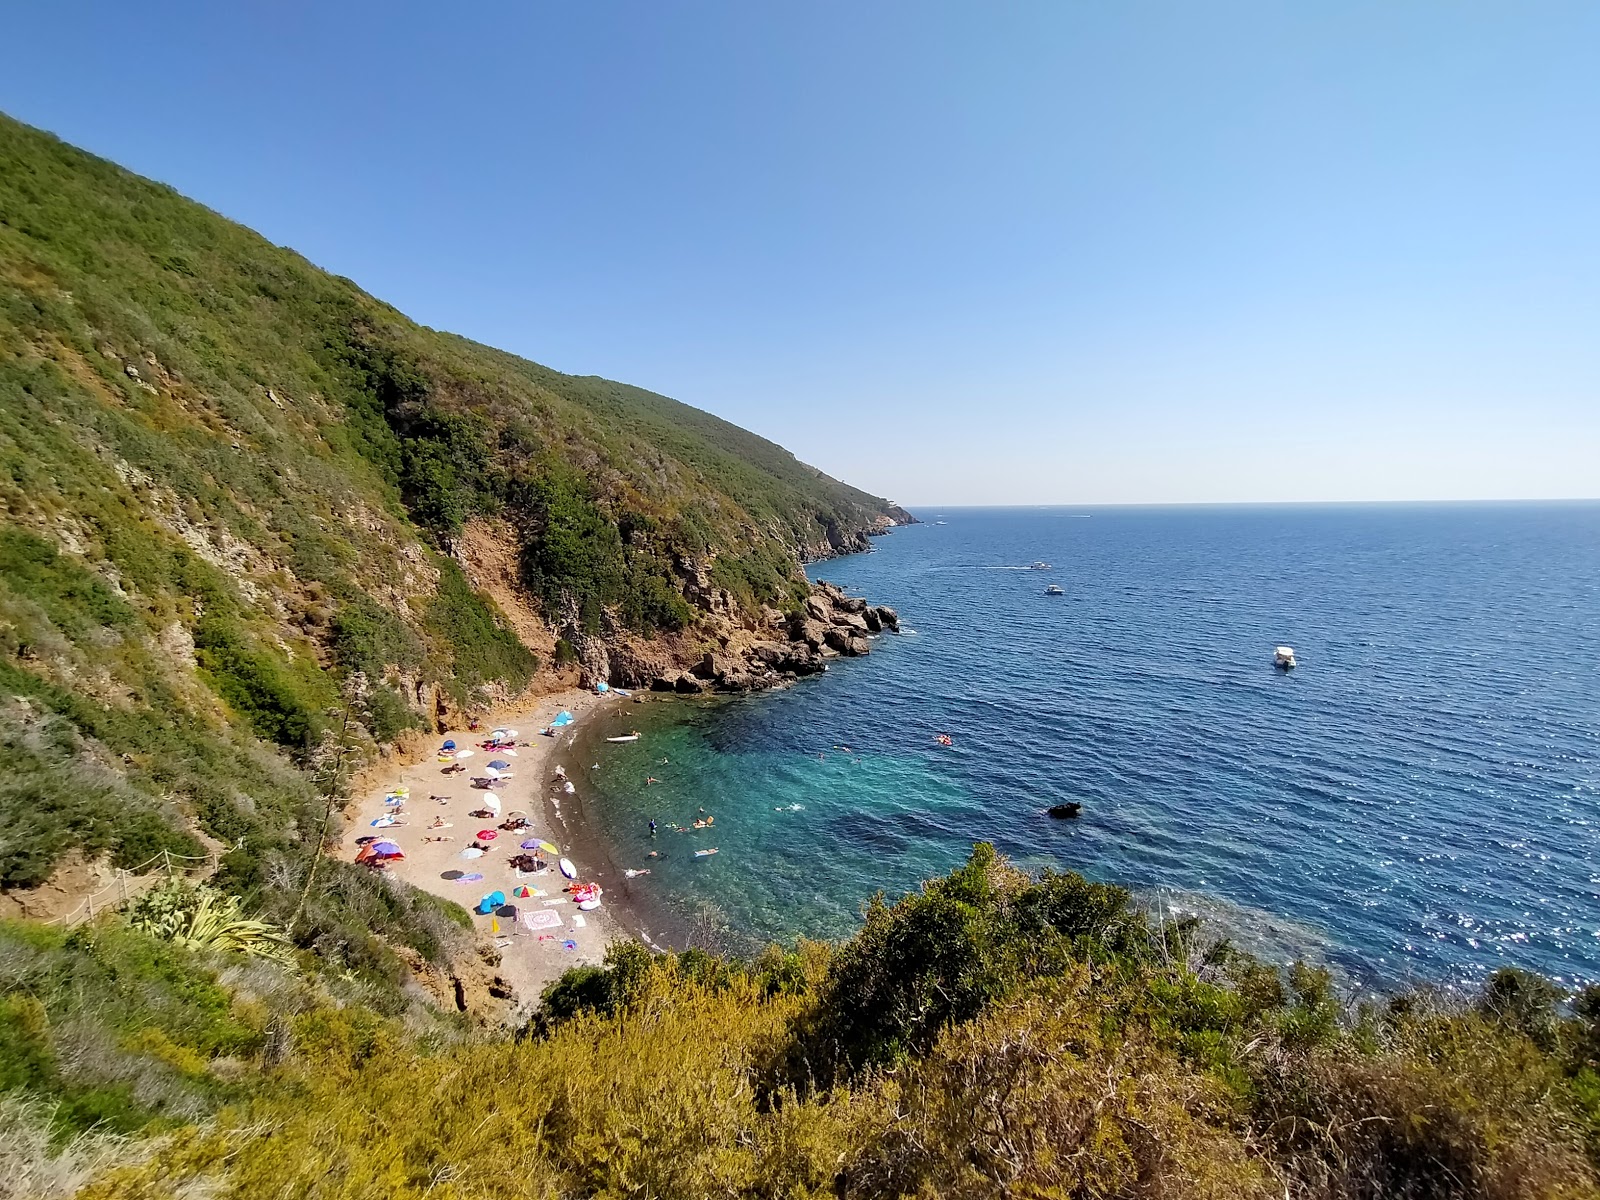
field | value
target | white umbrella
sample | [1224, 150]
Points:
[492, 805]
[492, 772]
[511, 733]
[465, 753]
[471, 852]
[490, 800]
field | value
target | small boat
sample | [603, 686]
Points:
[1283, 658]
[705, 853]
[1054, 590]
[567, 869]
[1070, 809]
[631, 737]
[1039, 565]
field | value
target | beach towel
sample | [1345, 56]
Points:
[544, 919]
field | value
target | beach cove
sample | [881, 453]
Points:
[529, 958]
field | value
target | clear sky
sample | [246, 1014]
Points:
[954, 253]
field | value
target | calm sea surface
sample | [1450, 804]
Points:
[1419, 800]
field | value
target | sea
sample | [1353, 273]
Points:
[1418, 801]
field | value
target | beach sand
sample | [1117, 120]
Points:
[530, 959]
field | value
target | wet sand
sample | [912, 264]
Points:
[530, 958]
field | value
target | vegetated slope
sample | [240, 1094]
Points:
[229, 481]
[994, 1035]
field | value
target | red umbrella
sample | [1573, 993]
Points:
[487, 835]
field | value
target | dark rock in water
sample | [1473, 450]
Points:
[888, 617]
[849, 620]
[1065, 810]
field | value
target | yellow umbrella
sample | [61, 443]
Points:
[549, 849]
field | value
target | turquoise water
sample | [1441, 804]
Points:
[1421, 798]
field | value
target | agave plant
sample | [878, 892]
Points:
[203, 918]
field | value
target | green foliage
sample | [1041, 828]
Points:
[202, 918]
[1103, 1067]
[117, 1028]
[482, 646]
[573, 554]
[388, 715]
[369, 638]
[964, 942]
[259, 685]
[55, 794]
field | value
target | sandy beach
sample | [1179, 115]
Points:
[549, 934]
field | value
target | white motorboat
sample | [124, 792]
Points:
[1283, 657]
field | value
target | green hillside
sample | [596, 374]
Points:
[229, 482]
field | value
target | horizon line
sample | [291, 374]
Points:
[1485, 501]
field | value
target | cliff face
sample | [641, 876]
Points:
[232, 484]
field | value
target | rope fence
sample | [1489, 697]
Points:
[133, 882]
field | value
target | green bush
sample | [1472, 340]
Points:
[257, 685]
[483, 647]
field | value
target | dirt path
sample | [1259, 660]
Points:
[531, 958]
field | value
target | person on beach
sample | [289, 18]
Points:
[649, 779]
[652, 827]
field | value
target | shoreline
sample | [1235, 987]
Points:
[529, 959]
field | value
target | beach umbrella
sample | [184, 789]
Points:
[449, 744]
[530, 844]
[509, 753]
[499, 764]
[472, 852]
[549, 848]
[492, 805]
[521, 892]
[473, 878]
[384, 822]
[385, 849]
[492, 773]
[454, 875]
[511, 734]
[465, 753]
[497, 735]
[487, 835]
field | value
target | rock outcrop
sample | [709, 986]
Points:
[774, 653]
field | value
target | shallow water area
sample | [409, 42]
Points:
[1421, 791]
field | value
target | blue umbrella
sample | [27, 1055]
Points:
[385, 849]
[500, 764]
[450, 744]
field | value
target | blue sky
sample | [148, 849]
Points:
[976, 253]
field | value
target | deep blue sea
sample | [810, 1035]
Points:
[1419, 800]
